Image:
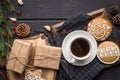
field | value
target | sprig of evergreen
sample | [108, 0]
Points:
[6, 29]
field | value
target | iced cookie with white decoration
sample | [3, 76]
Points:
[100, 28]
[108, 52]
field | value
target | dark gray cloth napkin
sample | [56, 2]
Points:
[67, 71]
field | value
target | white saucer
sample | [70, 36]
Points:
[70, 37]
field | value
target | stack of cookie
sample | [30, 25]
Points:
[101, 29]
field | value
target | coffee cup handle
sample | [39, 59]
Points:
[72, 60]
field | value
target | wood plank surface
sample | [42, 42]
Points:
[57, 9]
[37, 25]
[38, 13]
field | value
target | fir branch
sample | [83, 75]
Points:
[6, 29]
[1, 32]
[10, 6]
[2, 18]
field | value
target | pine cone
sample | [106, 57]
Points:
[116, 19]
[114, 10]
[23, 30]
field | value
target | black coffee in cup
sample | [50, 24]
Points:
[80, 47]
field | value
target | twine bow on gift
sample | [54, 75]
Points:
[22, 60]
[47, 61]
[47, 57]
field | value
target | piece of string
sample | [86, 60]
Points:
[42, 57]
[16, 57]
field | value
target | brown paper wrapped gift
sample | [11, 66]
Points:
[34, 41]
[47, 57]
[19, 56]
[48, 74]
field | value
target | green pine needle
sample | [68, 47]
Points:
[6, 30]
[1, 14]
[10, 6]
[9, 28]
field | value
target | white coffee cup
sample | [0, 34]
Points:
[76, 60]
[87, 54]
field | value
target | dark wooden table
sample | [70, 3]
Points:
[38, 13]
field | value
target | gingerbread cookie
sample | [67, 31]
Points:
[108, 52]
[100, 28]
